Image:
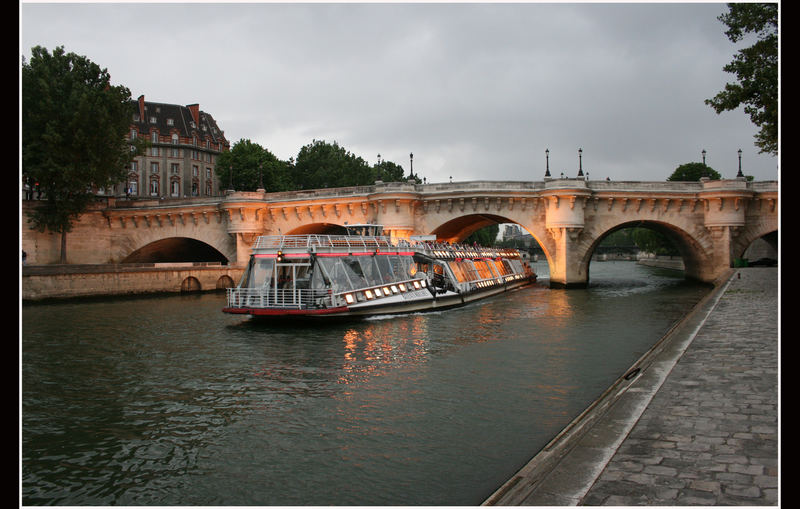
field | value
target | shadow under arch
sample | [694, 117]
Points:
[690, 251]
[318, 228]
[176, 250]
[458, 229]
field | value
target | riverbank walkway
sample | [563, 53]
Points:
[695, 421]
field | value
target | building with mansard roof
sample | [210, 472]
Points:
[181, 158]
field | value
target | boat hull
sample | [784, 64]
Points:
[424, 304]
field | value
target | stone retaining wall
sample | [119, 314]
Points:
[65, 281]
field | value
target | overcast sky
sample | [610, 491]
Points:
[474, 91]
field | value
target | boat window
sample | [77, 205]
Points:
[337, 273]
[354, 272]
[386, 268]
[470, 272]
[369, 270]
[319, 279]
[259, 272]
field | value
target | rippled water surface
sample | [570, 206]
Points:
[167, 401]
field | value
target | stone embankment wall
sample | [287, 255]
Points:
[65, 281]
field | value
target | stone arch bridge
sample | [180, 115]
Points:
[710, 222]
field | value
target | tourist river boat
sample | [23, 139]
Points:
[362, 274]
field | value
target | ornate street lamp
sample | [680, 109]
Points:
[740, 174]
[704, 172]
[411, 156]
[547, 162]
[580, 164]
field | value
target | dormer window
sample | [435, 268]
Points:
[170, 121]
[153, 120]
[154, 137]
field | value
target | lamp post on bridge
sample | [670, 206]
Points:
[740, 174]
[261, 178]
[547, 163]
[580, 163]
[705, 172]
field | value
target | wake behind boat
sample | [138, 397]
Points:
[365, 274]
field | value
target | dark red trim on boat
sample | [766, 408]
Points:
[283, 312]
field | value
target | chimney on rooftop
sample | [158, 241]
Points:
[194, 109]
[141, 107]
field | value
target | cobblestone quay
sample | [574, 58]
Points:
[700, 429]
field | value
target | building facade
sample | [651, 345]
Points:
[180, 160]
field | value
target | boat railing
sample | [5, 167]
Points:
[288, 298]
[446, 250]
[278, 242]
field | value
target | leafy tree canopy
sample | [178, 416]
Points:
[755, 68]
[692, 172]
[247, 166]
[74, 126]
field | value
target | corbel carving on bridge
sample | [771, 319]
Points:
[557, 233]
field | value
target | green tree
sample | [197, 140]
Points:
[247, 166]
[74, 127]
[692, 172]
[653, 241]
[755, 68]
[321, 165]
[387, 171]
[485, 236]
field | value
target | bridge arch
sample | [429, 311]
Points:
[746, 238]
[694, 254]
[176, 250]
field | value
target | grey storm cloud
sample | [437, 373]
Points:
[475, 91]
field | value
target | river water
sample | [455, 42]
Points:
[168, 401]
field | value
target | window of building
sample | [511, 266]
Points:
[195, 170]
[135, 166]
[175, 138]
[175, 168]
[175, 152]
[153, 167]
[176, 188]
[153, 120]
[154, 151]
[154, 187]
[154, 137]
[134, 132]
[170, 121]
